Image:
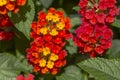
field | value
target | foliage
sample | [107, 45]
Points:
[24, 18]
[102, 68]
[13, 61]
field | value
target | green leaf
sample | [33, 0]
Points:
[9, 67]
[24, 63]
[46, 3]
[37, 2]
[114, 51]
[71, 48]
[102, 69]
[71, 73]
[116, 23]
[27, 68]
[21, 44]
[23, 18]
[75, 21]
[76, 8]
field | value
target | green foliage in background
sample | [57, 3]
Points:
[79, 67]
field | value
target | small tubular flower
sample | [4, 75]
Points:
[3, 2]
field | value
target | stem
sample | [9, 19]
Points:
[85, 76]
[93, 1]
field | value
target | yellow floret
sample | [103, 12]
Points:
[53, 57]
[3, 2]
[42, 63]
[54, 32]
[60, 25]
[49, 16]
[56, 18]
[43, 30]
[46, 51]
[50, 64]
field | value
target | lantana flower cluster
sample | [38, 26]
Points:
[5, 28]
[10, 5]
[94, 34]
[49, 34]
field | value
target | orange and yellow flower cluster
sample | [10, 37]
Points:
[10, 5]
[49, 34]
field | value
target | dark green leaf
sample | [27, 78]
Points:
[26, 67]
[102, 69]
[10, 67]
[21, 44]
[116, 23]
[75, 21]
[114, 51]
[71, 48]
[37, 2]
[71, 73]
[46, 3]
[76, 8]
[23, 18]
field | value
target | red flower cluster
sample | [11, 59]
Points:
[94, 35]
[49, 34]
[10, 5]
[29, 77]
[5, 23]
[5, 26]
